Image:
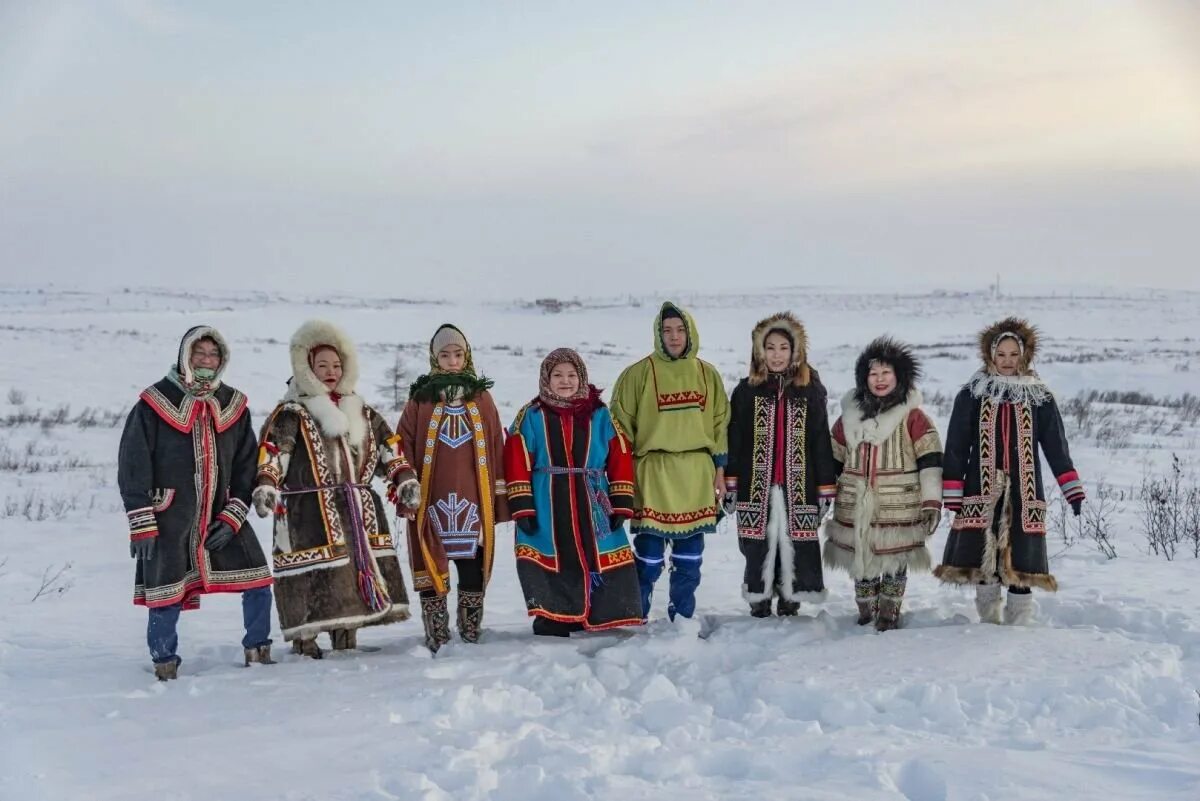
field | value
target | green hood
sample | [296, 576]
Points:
[693, 343]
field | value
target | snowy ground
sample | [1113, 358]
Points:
[1099, 698]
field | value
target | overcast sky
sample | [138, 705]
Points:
[446, 148]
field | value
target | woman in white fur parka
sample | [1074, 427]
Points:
[889, 499]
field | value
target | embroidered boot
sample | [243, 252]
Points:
[260, 655]
[166, 671]
[344, 639]
[891, 595]
[437, 622]
[1019, 609]
[307, 647]
[866, 596]
[761, 608]
[988, 602]
[470, 615]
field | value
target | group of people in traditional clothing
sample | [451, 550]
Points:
[668, 459]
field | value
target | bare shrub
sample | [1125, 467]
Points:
[16, 397]
[54, 582]
[1170, 511]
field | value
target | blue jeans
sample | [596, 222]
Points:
[686, 556]
[163, 639]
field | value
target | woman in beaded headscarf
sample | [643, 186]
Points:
[993, 477]
[570, 491]
[452, 431]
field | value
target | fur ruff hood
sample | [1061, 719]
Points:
[1027, 334]
[902, 361]
[798, 371]
[859, 428]
[344, 418]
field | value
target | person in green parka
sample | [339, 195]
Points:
[672, 407]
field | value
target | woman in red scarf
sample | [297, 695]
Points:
[570, 490]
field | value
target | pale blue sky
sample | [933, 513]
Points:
[657, 144]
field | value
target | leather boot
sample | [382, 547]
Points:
[866, 597]
[344, 639]
[307, 647]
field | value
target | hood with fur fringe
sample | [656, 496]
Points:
[785, 323]
[902, 360]
[1027, 336]
[183, 374]
[344, 418]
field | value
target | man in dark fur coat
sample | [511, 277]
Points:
[186, 470]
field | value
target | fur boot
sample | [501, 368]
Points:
[260, 655]
[866, 596]
[437, 622]
[307, 647]
[988, 602]
[891, 596]
[470, 615]
[344, 639]
[786, 608]
[1018, 611]
[761, 608]
[165, 671]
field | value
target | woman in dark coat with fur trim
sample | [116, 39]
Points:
[780, 472]
[889, 458]
[993, 478]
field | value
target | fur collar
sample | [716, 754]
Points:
[346, 418]
[1028, 388]
[859, 429]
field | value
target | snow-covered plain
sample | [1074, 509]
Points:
[1098, 699]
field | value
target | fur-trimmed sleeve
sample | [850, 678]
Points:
[928, 447]
[277, 443]
[135, 471]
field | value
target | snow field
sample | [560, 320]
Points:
[1098, 698]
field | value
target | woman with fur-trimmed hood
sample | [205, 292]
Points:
[336, 568]
[993, 478]
[781, 470]
[451, 428]
[889, 502]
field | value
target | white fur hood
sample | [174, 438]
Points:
[345, 418]
[877, 429]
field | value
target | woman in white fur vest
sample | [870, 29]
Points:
[889, 497]
[335, 560]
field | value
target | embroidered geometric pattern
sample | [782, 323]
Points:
[544, 560]
[454, 430]
[183, 416]
[142, 524]
[621, 556]
[456, 522]
[752, 512]
[234, 513]
[802, 517]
